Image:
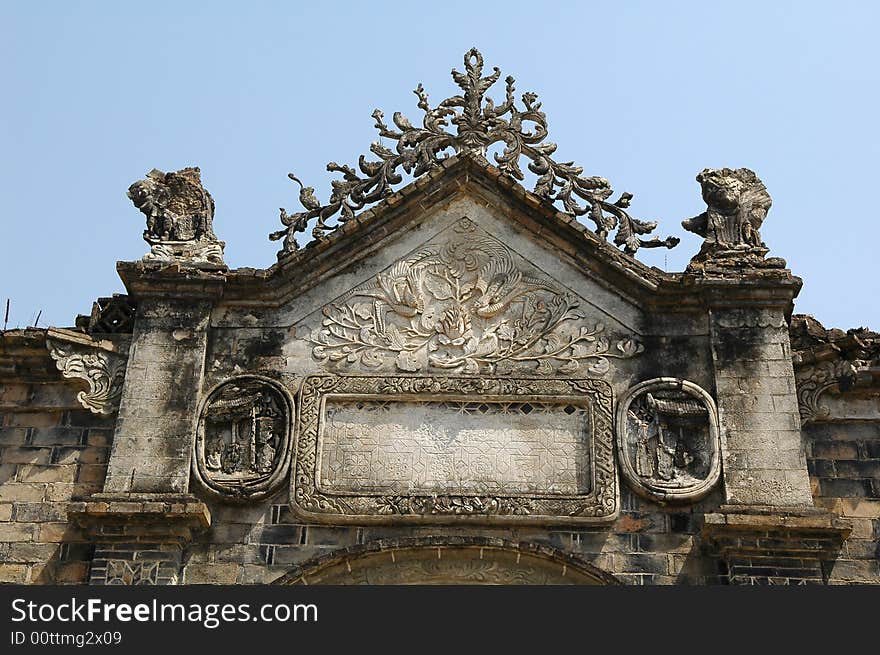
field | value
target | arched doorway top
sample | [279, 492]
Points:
[448, 560]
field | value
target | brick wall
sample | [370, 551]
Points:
[648, 544]
[51, 451]
[844, 464]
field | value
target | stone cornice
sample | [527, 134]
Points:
[159, 279]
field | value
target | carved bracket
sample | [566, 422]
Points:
[813, 381]
[99, 363]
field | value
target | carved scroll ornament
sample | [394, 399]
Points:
[104, 371]
[813, 381]
[463, 305]
[479, 124]
[242, 449]
[668, 441]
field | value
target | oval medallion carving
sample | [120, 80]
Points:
[667, 440]
[242, 449]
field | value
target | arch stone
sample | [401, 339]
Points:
[448, 561]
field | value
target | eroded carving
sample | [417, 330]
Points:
[429, 447]
[465, 305]
[355, 476]
[668, 442]
[479, 123]
[104, 372]
[447, 560]
[813, 381]
[738, 203]
[180, 214]
[242, 449]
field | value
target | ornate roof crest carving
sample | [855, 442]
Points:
[479, 124]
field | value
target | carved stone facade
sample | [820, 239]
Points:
[456, 380]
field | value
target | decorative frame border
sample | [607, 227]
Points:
[262, 487]
[601, 505]
[664, 494]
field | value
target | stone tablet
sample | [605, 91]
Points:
[415, 449]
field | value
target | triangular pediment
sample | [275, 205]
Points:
[422, 208]
[465, 302]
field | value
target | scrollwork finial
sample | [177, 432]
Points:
[479, 124]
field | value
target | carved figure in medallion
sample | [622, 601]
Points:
[465, 305]
[667, 431]
[243, 442]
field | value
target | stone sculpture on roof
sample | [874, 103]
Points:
[180, 214]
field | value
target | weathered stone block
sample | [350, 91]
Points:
[14, 491]
[13, 573]
[211, 573]
[16, 532]
[34, 419]
[53, 473]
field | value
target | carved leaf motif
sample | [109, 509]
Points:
[102, 370]
[570, 366]
[363, 310]
[406, 361]
[372, 359]
[439, 288]
[544, 367]
[599, 367]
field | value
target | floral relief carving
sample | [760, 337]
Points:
[464, 305]
[103, 370]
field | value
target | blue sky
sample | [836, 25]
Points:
[645, 94]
